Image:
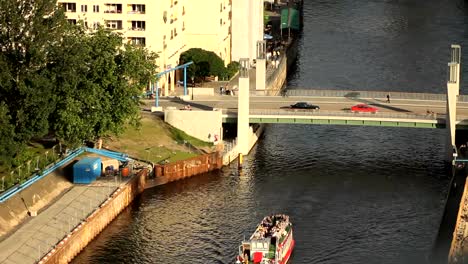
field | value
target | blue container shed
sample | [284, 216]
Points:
[87, 170]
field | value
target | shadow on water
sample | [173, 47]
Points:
[447, 225]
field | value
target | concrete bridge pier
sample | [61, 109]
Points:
[243, 107]
[260, 66]
[453, 90]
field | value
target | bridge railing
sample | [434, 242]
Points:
[366, 94]
[362, 94]
[344, 113]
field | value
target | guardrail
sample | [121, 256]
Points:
[73, 154]
[12, 191]
[362, 94]
[299, 112]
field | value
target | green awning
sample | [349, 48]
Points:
[290, 18]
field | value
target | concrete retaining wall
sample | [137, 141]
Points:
[80, 237]
[232, 153]
[276, 80]
[204, 125]
[15, 210]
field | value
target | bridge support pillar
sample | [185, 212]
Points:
[453, 90]
[260, 72]
[260, 66]
[243, 108]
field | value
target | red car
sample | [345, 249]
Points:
[363, 108]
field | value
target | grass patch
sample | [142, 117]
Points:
[157, 141]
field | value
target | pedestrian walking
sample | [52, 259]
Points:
[388, 98]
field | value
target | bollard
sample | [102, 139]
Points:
[240, 160]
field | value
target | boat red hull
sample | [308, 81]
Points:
[288, 254]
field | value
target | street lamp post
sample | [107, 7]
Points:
[193, 84]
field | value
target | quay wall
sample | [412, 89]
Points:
[185, 168]
[84, 233]
[458, 248]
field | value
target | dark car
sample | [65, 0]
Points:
[304, 105]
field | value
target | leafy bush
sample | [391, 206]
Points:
[205, 63]
[232, 69]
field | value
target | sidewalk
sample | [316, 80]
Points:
[37, 236]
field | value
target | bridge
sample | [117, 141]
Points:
[420, 110]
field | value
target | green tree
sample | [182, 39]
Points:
[29, 31]
[98, 83]
[205, 63]
[7, 132]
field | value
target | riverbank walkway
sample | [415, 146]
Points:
[40, 234]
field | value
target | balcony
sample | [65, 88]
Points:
[114, 24]
[137, 26]
[69, 7]
[136, 9]
[113, 8]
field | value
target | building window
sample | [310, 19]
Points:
[114, 24]
[96, 25]
[221, 22]
[138, 25]
[165, 16]
[183, 26]
[172, 34]
[95, 8]
[138, 9]
[113, 8]
[175, 32]
[69, 7]
[86, 24]
[84, 8]
[138, 41]
[172, 3]
[72, 21]
[183, 10]
[221, 7]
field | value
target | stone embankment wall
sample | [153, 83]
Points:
[276, 80]
[80, 237]
[459, 247]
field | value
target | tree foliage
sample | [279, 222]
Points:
[29, 30]
[58, 79]
[205, 63]
[98, 84]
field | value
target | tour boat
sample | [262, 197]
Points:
[271, 243]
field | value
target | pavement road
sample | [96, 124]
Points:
[334, 104]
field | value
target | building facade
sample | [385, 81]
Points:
[167, 27]
[247, 28]
[210, 26]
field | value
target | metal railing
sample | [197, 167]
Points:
[362, 94]
[344, 113]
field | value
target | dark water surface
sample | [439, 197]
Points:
[354, 194]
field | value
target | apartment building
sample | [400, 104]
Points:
[167, 27]
[210, 26]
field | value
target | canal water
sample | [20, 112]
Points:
[354, 194]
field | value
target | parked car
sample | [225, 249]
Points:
[304, 105]
[363, 108]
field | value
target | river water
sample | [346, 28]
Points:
[354, 194]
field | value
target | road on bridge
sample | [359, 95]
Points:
[401, 106]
